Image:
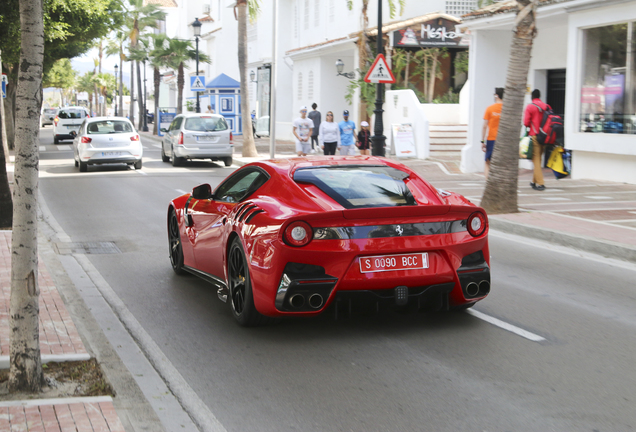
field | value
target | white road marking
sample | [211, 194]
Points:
[504, 325]
[64, 147]
[471, 184]
[42, 148]
[157, 145]
[596, 197]
[556, 199]
[181, 191]
[141, 172]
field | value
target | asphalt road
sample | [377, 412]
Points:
[560, 357]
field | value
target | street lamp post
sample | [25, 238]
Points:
[116, 68]
[378, 139]
[145, 95]
[196, 26]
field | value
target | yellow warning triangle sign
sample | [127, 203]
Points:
[379, 72]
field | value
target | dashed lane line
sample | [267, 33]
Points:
[504, 325]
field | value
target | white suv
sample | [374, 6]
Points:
[67, 122]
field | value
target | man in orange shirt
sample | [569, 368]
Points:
[491, 125]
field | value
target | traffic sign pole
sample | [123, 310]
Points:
[378, 140]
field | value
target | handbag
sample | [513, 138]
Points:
[525, 147]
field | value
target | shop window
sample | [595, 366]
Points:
[608, 93]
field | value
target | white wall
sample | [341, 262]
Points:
[402, 106]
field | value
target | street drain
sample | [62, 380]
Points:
[67, 248]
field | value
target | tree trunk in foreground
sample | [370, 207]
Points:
[249, 147]
[500, 195]
[25, 372]
[157, 83]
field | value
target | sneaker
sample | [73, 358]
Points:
[533, 185]
[540, 187]
[313, 150]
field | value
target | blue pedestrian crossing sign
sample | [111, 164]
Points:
[4, 85]
[197, 83]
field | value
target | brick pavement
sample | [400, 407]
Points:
[92, 414]
[58, 336]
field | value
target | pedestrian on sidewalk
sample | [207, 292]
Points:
[210, 110]
[329, 135]
[364, 139]
[302, 131]
[315, 117]
[491, 125]
[347, 136]
[532, 119]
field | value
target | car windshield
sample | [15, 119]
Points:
[360, 186]
[206, 124]
[49, 111]
[109, 127]
[71, 114]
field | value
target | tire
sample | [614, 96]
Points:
[240, 288]
[176, 161]
[138, 164]
[83, 166]
[174, 244]
[56, 141]
[227, 161]
[76, 164]
[164, 158]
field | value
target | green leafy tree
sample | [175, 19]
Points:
[61, 76]
[115, 46]
[157, 62]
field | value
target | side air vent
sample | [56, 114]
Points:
[252, 214]
[244, 211]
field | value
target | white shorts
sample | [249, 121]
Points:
[349, 150]
[304, 147]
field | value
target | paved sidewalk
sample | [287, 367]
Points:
[95, 414]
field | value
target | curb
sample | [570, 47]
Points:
[604, 248]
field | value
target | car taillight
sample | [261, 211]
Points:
[298, 234]
[86, 139]
[180, 139]
[57, 119]
[231, 138]
[134, 138]
[477, 224]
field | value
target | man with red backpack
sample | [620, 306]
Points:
[532, 119]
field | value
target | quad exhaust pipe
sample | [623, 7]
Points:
[474, 289]
[315, 301]
[297, 301]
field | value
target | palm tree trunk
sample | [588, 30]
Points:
[180, 84]
[131, 109]
[140, 98]
[363, 55]
[433, 76]
[120, 109]
[500, 195]
[157, 82]
[249, 148]
[406, 71]
[25, 372]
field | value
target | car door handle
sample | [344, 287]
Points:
[224, 220]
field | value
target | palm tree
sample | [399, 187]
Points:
[140, 17]
[174, 55]
[157, 62]
[25, 371]
[115, 46]
[500, 195]
[85, 84]
[245, 8]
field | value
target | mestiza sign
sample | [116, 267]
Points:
[436, 33]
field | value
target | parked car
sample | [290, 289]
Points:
[107, 140]
[197, 136]
[48, 116]
[289, 237]
[67, 122]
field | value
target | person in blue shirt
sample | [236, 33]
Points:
[347, 136]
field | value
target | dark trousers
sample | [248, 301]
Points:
[314, 141]
[330, 148]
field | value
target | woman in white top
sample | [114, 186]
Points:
[329, 134]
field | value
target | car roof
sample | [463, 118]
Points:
[292, 164]
[105, 118]
[190, 115]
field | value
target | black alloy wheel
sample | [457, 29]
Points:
[174, 241]
[240, 287]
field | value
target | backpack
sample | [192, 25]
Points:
[550, 128]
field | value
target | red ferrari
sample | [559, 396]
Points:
[291, 236]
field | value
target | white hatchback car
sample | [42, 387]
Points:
[67, 122]
[197, 136]
[106, 140]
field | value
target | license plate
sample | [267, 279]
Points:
[380, 263]
[72, 127]
[111, 153]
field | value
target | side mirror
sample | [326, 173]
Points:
[202, 192]
[164, 130]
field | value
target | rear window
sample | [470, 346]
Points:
[72, 114]
[206, 124]
[360, 186]
[109, 127]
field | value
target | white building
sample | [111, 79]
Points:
[584, 64]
